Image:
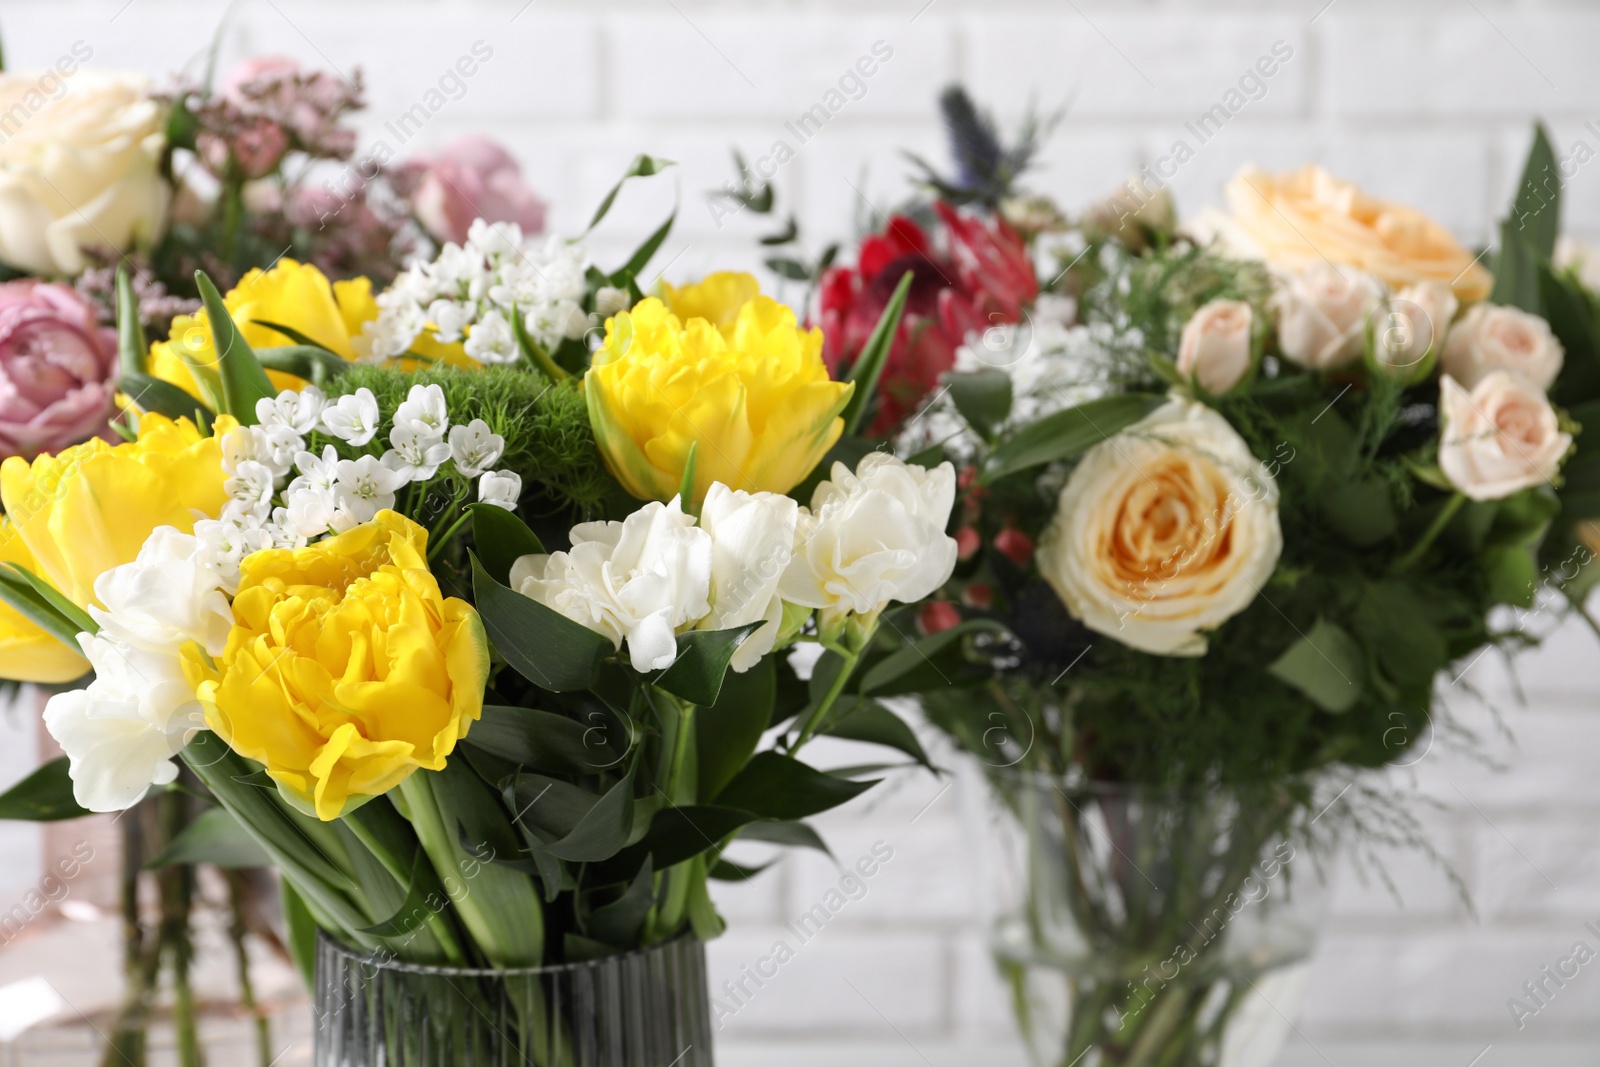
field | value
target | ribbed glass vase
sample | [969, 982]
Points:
[640, 1009]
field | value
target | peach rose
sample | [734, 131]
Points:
[1308, 216]
[1164, 532]
[1215, 349]
[1490, 338]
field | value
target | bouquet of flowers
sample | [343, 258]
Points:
[1227, 508]
[463, 739]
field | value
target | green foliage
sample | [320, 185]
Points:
[545, 425]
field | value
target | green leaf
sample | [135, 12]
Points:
[728, 731]
[703, 918]
[300, 339]
[500, 538]
[604, 829]
[920, 653]
[703, 657]
[872, 723]
[630, 270]
[1536, 210]
[775, 786]
[1516, 273]
[785, 267]
[868, 367]
[43, 796]
[1326, 665]
[686, 486]
[618, 923]
[983, 397]
[301, 927]
[675, 835]
[551, 807]
[543, 740]
[20, 594]
[243, 380]
[790, 834]
[133, 351]
[1068, 433]
[642, 167]
[74, 615]
[214, 837]
[728, 871]
[161, 397]
[545, 647]
[1392, 620]
[303, 361]
[413, 912]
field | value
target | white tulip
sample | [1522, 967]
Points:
[353, 419]
[873, 536]
[501, 488]
[166, 597]
[752, 543]
[1500, 438]
[1322, 315]
[1490, 338]
[639, 580]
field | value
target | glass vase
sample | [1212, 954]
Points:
[640, 1009]
[1141, 928]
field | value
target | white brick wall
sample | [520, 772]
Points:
[1428, 102]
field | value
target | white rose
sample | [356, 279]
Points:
[1498, 439]
[1215, 349]
[752, 542]
[1411, 327]
[873, 536]
[79, 171]
[1490, 338]
[1322, 314]
[1164, 532]
[638, 580]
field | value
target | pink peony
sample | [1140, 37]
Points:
[471, 178]
[58, 369]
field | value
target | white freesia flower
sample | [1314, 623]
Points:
[423, 413]
[873, 536]
[1164, 531]
[353, 418]
[416, 456]
[121, 732]
[364, 488]
[501, 488]
[298, 411]
[639, 580]
[1322, 314]
[752, 543]
[475, 447]
[1490, 338]
[1500, 438]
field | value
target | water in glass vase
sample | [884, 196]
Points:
[1146, 929]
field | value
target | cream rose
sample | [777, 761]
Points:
[1215, 349]
[1490, 338]
[1322, 315]
[1500, 438]
[1411, 327]
[1308, 216]
[79, 171]
[1164, 532]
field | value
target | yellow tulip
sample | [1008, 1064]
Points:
[346, 669]
[27, 653]
[291, 294]
[90, 507]
[744, 386]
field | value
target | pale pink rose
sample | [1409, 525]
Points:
[472, 178]
[1490, 338]
[1500, 438]
[58, 369]
[1322, 315]
[1215, 350]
